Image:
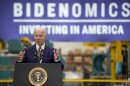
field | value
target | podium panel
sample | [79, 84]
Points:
[22, 70]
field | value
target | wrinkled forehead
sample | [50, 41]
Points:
[40, 29]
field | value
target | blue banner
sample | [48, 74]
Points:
[66, 20]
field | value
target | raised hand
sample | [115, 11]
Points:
[21, 55]
[56, 54]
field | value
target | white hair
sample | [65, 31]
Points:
[42, 28]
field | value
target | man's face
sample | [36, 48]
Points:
[39, 36]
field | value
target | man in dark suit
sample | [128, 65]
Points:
[39, 52]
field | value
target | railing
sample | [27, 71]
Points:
[6, 81]
[94, 80]
[82, 81]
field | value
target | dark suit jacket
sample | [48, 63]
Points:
[48, 56]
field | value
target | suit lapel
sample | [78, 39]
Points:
[34, 48]
[33, 51]
[45, 52]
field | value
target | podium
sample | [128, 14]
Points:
[22, 72]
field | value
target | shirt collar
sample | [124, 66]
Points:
[43, 46]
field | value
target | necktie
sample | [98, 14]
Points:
[39, 52]
[39, 55]
[39, 49]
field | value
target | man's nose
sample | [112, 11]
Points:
[38, 37]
